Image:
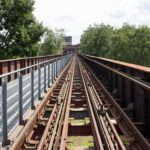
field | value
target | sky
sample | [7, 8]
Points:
[76, 15]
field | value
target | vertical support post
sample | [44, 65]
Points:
[15, 68]
[147, 113]
[61, 64]
[45, 78]
[20, 100]
[48, 74]
[0, 81]
[9, 70]
[56, 68]
[66, 60]
[1, 73]
[5, 140]
[52, 75]
[110, 75]
[63, 61]
[32, 89]
[39, 82]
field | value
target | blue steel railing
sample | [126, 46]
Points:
[17, 96]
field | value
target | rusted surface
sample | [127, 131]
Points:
[125, 125]
[109, 136]
[125, 64]
[79, 130]
[25, 138]
[129, 87]
[10, 65]
[79, 105]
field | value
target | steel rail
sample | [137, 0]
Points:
[104, 120]
[55, 131]
[35, 117]
[98, 104]
[65, 94]
[63, 133]
[49, 137]
[65, 125]
[106, 135]
[56, 141]
[53, 142]
[48, 127]
[97, 136]
[122, 117]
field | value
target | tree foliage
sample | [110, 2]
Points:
[53, 42]
[96, 40]
[128, 43]
[19, 31]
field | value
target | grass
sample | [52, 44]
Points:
[85, 141]
[126, 143]
[79, 121]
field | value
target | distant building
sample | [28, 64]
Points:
[72, 48]
[68, 47]
[68, 40]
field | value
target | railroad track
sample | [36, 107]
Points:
[44, 121]
[112, 112]
[109, 135]
[78, 107]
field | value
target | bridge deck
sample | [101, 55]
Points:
[86, 104]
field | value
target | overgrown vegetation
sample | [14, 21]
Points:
[53, 42]
[21, 34]
[128, 43]
[81, 141]
[19, 30]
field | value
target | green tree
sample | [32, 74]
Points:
[48, 46]
[53, 42]
[96, 40]
[19, 31]
[128, 43]
[141, 45]
[59, 34]
[122, 43]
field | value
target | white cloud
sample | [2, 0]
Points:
[76, 15]
[65, 18]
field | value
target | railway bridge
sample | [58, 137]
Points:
[74, 102]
